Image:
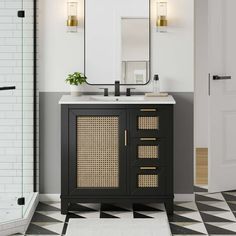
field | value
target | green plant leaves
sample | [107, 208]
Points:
[76, 79]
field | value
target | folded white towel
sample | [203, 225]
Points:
[156, 94]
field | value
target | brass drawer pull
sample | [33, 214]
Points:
[126, 138]
[148, 139]
[148, 168]
[148, 110]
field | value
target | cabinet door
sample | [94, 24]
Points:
[97, 158]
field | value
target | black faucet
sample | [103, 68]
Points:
[117, 88]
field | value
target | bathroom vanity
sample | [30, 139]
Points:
[116, 150]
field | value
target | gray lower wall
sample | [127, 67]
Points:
[183, 143]
[50, 166]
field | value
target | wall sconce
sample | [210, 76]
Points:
[72, 18]
[162, 21]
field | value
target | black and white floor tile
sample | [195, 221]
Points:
[210, 214]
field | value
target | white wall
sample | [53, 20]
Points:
[201, 74]
[173, 52]
[62, 53]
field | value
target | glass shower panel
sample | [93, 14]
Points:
[11, 110]
[28, 102]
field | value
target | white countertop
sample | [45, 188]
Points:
[99, 99]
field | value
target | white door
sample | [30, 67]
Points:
[222, 91]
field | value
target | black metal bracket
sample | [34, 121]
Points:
[21, 14]
[21, 201]
[8, 88]
[217, 77]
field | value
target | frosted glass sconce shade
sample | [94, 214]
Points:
[72, 18]
[162, 21]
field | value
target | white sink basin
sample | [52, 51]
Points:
[117, 99]
[96, 99]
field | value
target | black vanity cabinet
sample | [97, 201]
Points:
[117, 153]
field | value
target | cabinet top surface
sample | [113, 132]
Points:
[88, 99]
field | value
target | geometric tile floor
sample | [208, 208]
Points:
[210, 214]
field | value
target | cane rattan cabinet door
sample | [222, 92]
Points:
[97, 152]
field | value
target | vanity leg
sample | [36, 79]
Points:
[64, 207]
[169, 204]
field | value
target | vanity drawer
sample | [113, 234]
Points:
[149, 151]
[148, 180]
[151, 121]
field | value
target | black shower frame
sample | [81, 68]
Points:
[35, 97]
[21, 14]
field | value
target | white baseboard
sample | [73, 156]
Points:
[49, 198]
[184, 197]
[56, 197]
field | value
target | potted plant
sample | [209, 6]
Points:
[75, 80]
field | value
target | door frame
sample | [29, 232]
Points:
[200, 77]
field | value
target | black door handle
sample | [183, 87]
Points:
[8, 88]
[217, 77]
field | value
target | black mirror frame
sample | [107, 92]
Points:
[150, 55]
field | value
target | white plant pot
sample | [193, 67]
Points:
[75, 90]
